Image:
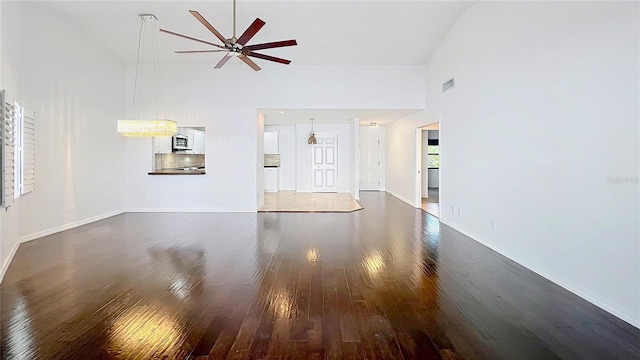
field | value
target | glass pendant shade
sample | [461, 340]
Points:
[147, 128]
[312, 135]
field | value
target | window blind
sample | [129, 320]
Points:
[8, 159]
[28, 152]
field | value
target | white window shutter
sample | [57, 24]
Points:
[28, 152]
[8, 161]
[17, 149]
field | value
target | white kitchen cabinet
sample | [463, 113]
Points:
[271, 179]
[271, 142]
[188, 132]
[162, 145]
[198, 142]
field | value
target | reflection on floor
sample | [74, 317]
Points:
[386, 282]
[431, 204]
[291, 201]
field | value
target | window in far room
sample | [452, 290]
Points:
[433, 154]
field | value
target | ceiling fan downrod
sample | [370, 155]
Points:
[234, 39]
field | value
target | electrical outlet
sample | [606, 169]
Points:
[72, 208]
[493, 224]
[453, 209]
[459, 212]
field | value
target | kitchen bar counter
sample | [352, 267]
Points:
[177, 172]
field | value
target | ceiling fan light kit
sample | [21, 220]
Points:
[235, 46]
[147, 128]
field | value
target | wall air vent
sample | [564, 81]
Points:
[448, 85]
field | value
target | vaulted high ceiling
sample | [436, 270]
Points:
[328, 32]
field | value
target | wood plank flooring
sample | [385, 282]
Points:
[387, 282]
[431, 204]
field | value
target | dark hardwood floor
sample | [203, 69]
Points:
[386, 282]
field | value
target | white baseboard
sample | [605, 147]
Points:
[68, 226]
[597, 302]
[52, 231]
[401, 198]
[183, 210]
[5, 266]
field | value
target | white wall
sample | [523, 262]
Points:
[424, 169]
[2, 257]
[75, 88]
[354, 159]
[400, 153]
[220, 100]
[231, 162]
[379, 132]
[559, 82]
[303, 149]
[287, 148]
[260, 162]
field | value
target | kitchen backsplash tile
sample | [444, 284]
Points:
[271, 159]
[177, 161]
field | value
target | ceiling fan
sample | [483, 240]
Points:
[235, 45]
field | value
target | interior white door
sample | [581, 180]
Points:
[369, 163]
[324, 162]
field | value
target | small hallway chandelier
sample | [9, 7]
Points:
[312, 135]
[147, 128]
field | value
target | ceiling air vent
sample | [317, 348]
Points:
[448, 85]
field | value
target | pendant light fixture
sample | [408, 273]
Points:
[147, 128]
[312, 135]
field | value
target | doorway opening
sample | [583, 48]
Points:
[430, 169]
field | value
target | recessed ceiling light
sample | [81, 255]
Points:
[281, 111]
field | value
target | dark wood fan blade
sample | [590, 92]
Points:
[268, 57]
[192, 38]
[251, 31]
[209, 26]
[271, 45]
[197, 51]
[223, 61]
[249, 62]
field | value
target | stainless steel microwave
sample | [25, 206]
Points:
[181, 142]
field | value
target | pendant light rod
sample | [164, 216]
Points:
[143, 18]
[135, 80]
[148, 128]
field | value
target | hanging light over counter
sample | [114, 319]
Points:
[147, 128]
[153, 128]
[312, 135]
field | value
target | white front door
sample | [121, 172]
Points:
[369, 163]
[324, 162]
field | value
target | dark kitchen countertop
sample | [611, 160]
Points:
[177, 172]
